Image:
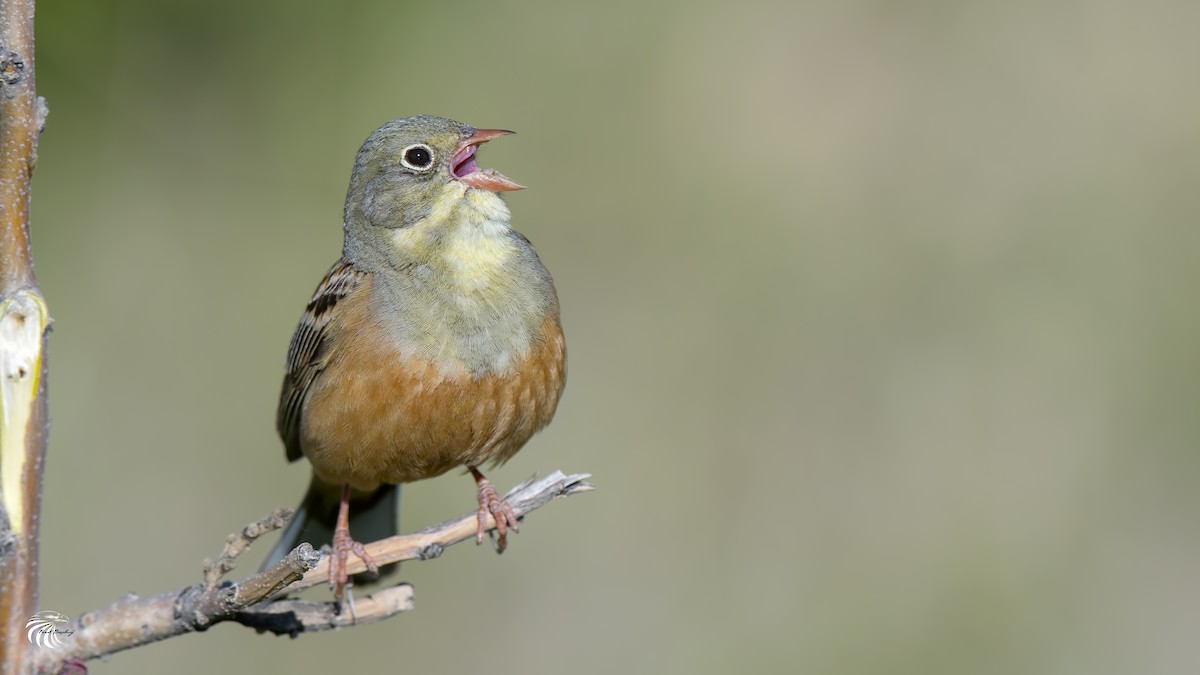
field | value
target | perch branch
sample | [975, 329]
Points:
[257, 601]
[430, 542]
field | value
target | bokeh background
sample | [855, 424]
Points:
[882, 323]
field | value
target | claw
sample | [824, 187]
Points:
[491, 503]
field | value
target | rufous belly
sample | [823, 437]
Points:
[376, 417]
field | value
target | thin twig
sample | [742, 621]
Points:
[238, 542]
[430, 542]
[257, 601]
[292, 617]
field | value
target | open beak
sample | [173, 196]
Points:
[463, 168]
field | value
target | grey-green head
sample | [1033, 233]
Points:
[415, 167]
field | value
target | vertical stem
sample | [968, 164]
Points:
[23, 323]
[18, 142]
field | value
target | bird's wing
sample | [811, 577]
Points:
[308, 352]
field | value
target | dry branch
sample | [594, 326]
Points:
[257, 602]
[237, 543]
[429, 543]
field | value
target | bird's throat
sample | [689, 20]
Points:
[477, 255]
[465, 241]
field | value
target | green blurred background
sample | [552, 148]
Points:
[883, 338]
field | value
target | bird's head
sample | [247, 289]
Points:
[417, 172]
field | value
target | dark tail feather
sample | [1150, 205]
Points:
[373, 516]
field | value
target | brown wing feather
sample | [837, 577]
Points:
[307, 352]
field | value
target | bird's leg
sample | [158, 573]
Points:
[343, 545]
[491, 502]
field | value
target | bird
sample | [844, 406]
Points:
[433, 343]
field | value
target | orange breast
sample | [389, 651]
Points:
[375, 416]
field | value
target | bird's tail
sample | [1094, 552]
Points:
[373, 516]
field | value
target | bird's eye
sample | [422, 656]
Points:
[417, 157]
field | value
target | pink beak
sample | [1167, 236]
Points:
[463, 168]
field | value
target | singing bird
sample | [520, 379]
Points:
[433, 343]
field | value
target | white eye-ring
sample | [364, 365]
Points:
[418, 157]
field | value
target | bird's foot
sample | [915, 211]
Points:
[490, 502]
[343, 546]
